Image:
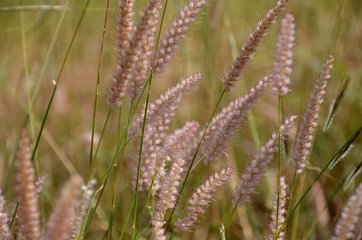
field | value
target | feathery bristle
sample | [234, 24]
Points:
[201, 198]
[223, 126]
[81, 212]
[28, 224]
[124, 28]
[39, 184]
[167, 195]
[129, 68]
[159, 116]
[249, 48]
[258, 166]
[350, 217]
[284, 56]
[165, 105]
[5, 233]
[175, 32]
[60, 222]
[182, 143]
[143, 63]
[282, 212]
[306, 130]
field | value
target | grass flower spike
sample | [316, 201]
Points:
[4, 220]
[223, 126]
[258, 166]
[159, 115]
[124, 28]
[308, 126]
[350, 219]
[282, 212]
[28, 223]
[182, 143]
[284, 56]
[175, 32]
[201, 199]
[81, 212]
[248, 49]
[133, 67]
[167, 196]
[165, 105]
[60, 222]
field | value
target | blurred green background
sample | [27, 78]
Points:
[34, 39]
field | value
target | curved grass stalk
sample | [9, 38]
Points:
[97, 86]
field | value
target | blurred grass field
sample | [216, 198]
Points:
[34, 39]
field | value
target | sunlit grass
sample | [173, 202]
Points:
[57, 60]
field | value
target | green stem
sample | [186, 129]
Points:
[56, 82]
[97, 85]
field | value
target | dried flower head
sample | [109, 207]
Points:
[281, 209]
[257, 167]
[349, 221]
[159, 116]
[5, 233]
[182, 143]
[81, 212]
[308, 126]
[175, 32]
[167, 196]
[223, 126]
[124, 28]
[60, 222]
[130, 71]
[201, 198]
[165, 106]
[28, 223]
[248, 49]
[284, 56]
[148, 25]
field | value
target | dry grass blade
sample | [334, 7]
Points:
[345, 149]
[336, 102]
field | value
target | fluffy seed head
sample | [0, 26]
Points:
[85, 201]
[175, 33]
[274, 226]
[258, 166]
[182, 143]
[308, 126]
[349, 221]
[28, 223]
[248, 49]
[130, 68]
[142, 65]
[223, 126]
[4, 220]
[165, 105]
[201, 198]
[159, 116]
[284, 56]
[60, 222]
